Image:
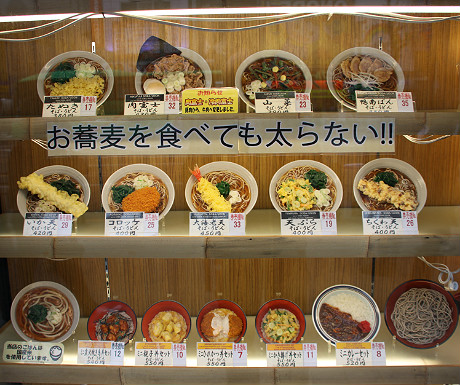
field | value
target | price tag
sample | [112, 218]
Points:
[353, 354]
[215, 353]
[237, 224]
[100, 353]
[47, 224]
[405, 102]
[378, 354]
[160, 354]
[376, 101]
[275, 102]
[172, 103]
[308, 223]
[310, 355]
[302, 102]
[33, 352]
[149, 104]
[67, 106]
[206, 224]
[240, 354]
[151, 223]
[284, 355]
[124, 224]
[393, 222]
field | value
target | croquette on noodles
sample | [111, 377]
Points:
[145, 199]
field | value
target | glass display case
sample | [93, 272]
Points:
[263, 264]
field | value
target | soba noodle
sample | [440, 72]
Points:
[128, 180]
[236, 183]
[59, 314]
[421, 316]
[299, 173]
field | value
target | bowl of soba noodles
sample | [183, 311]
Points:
[271, 70]
[45, 311]
[138, 187]
[76, 73]
[389, 184]
[305, 185]
[421, 314]
[64, 178]
[226, 187]
[363, 69]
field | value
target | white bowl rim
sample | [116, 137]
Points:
[66, 55]
[298, 163]
[224, 165]
[138, 167]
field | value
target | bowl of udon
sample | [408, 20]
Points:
[345, 313]
[76, 73]
[138, 187]
[166, 321]
[63, 178]
[221, 320]
[280, 321]
[421, 314]
[389, 184]
[172, 73]
[362, 69]
[45, 311]
[112, 321]
[235, 188]
[271, 70]
[304, 185]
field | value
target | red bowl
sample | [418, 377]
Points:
[280, 304]
[421, 284]
[221, 303]
[102, 310]
[164, 306]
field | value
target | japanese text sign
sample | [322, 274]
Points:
[131, 224]
[384, 101]
[33, 352]
[291, 355]
[210, 101]
[275, 102]
[223, 136]
[360, 354]
[392, 222]
[221, 354]
[308, 223]
[101, 353]
[151, 104]
[47, 224]
[68, 106]
[160, 354]
[208, 224]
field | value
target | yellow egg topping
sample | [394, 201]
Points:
[280, 326]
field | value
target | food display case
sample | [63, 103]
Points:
[419, 51]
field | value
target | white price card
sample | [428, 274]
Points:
[275, 102]
[149, 104]
[360, 354]
[172, 104]
[237, 224]
[308, 223]
[240, 354]
[33, 352]
[284, 355]
[376, 101]
[47, 224]
[378, 354]
[214, 353]
[151, 223]
[160, 354]
[302, 102]
[124, 224]
[392, 222]
[207, 224]
[101, 353]
[68, 106]
[405, 102]
[310, 355]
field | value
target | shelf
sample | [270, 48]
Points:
[446, 122]
[439, 236]
[404, 364]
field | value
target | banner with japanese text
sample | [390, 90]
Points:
[223, 136]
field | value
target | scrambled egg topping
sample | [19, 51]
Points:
[280, 325]
[384, 193]
[212, 197]
[299, 195]
[61, 199]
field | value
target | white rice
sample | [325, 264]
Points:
[353, 304]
